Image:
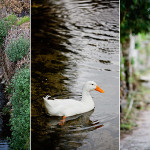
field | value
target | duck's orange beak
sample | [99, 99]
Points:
[99, 89]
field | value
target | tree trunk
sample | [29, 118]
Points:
[127, 63]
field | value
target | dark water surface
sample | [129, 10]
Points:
[74, 41]
[4, 129]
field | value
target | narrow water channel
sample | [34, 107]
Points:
[74, 41]
[4, 129]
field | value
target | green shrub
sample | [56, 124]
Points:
[5, 25]
[11, 19]
[23, 20]
[126, 126]
[3, 30]
[17, 49]
[20, 116]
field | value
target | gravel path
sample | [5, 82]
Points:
[140, 138]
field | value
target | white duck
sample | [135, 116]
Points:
[70, 107]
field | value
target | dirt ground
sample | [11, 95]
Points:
[140, 137]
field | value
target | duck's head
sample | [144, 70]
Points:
[91, 86]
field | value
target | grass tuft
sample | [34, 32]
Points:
[23, 20]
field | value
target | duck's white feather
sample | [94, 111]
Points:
[64, 107]
[70, 107]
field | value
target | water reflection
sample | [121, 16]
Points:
[71, 135]
[74, 42]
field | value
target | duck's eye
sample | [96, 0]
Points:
[92, 84]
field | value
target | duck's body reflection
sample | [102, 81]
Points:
[81, 121]
[71, 135]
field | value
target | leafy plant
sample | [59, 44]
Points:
[11, 19]
[20, 116]
[23, 20]
[126, 126]
[131, 21]
[5, 25]
[3, 30]
[18, 49]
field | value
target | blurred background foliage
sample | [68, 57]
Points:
[134, 18]
[134, 59]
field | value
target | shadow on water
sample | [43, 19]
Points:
[73, 42]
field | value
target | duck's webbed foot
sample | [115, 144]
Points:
[62, 121]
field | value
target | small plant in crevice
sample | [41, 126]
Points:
[127, 126]
[18, 49]
[23, 20]
[20, 115]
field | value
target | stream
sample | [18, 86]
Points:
[74, 41]
[4, 129]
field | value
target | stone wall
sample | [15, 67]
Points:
[18, 7]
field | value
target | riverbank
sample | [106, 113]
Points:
[15, 76]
